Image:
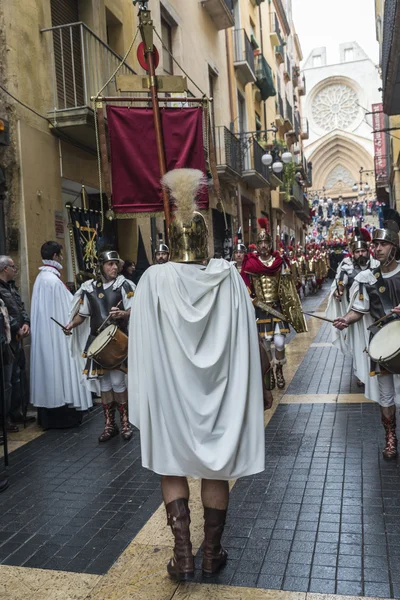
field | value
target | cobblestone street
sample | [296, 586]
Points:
[85, 521]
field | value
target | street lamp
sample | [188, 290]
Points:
[361, 188]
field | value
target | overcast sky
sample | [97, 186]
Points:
[327, 23]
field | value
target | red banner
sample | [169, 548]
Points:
[134, 164]
[381, 166]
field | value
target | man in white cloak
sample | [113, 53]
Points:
[194, 378]
[351, 342]
[55, 376]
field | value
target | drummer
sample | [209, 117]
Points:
[98, 303]
[374, 294]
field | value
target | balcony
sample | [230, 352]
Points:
[280, 54]
[243, 57]
[297, 196]
[81, 65]
[305, 129]
[275, 31]
[295, 76]
[264, 82]
[391, 58]
[221, 12]
[280, 112]
[255, 174]
[287, 70]
[301, 86]
[289, 116]
[228, 155]
[382, 171]
[303, 209]
[297, 124]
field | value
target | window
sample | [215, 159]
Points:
[114, 33]
[348, 54]
[317, 61]
[166, 36]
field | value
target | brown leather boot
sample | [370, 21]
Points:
[214, 555]
[279, 377]
[181, 565]
[110, 428]
[389, 423]
[121, 399]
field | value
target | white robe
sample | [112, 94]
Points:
[351, 341]
[194, 375]
[55, 376]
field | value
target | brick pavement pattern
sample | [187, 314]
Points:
[74, 504]
[325, 515]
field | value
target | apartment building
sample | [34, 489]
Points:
[56, 54]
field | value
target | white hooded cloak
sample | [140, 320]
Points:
[55, 375]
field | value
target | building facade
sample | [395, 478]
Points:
[338, 104]
[387, 15]
[55, 55]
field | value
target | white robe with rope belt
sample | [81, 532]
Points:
[194, 375]
[55, 376]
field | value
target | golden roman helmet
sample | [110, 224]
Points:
[188, 232]
[263, 233]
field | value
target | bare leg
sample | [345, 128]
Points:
[174, 488]
[215, 493]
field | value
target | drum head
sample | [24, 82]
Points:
[101, 340]
[385, 343]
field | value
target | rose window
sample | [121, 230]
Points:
[335, 107]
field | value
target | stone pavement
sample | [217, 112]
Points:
[83, 521]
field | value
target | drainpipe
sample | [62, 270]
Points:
[262, 52]
[231, 110]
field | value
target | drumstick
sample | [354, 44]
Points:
[318, 317]
[380, 320]
[109, 317]
[65, 330]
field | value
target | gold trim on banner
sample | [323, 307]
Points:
[144, 215]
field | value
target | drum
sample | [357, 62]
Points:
[110, 348]
[384, 347]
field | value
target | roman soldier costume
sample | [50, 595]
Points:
[239, 251]
[92, 305]
[375, 293]
[190, 424]
[275, 297]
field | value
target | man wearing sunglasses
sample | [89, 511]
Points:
[20, 328]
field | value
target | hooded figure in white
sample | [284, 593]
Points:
[55, 375]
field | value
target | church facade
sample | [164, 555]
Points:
[338, 103]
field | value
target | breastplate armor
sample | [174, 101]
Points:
[266, 287]
[101, 301]
[384, 295]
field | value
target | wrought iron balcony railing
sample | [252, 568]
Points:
[227, 149]
[82, 63]
[305, 128]
[275, 30]
[243, 50]
[280, 108]
[297, 123]
[255, 173]
[289, 112]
